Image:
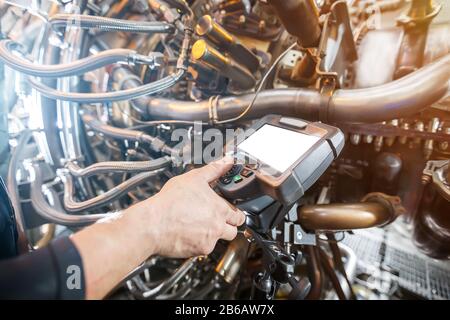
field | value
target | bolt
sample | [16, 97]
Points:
[368, 139]
[426, 179]
[262, 26]
[444, 144]
[355, 139]
[390, 141]
[428, 147]
[419, 126]
[378, 144]
[299, 235]
[405, 126]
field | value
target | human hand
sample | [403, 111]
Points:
[191, 217]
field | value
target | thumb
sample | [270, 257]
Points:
[216, 169]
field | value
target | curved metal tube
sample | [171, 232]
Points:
[118, 166]
[171, 281]
[345, 216]
[114, 132]
[73, 206]
[75, 68]
[289, 102]
[396, 99]
[315, 274]
[50, 213]
[231, 263]
[127, 134]
[403, 97]
[121, 95]
[47, 237]
[61, 20]
[13, 188]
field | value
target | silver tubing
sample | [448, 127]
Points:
[118, 166]
[49, 212]
[74, 68]
[71, 205]
[58, 21]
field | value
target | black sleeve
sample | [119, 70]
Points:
[53, 272]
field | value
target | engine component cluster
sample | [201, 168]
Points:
[110, 99]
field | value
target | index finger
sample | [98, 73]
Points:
[216, 169]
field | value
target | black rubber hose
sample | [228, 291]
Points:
[61, 20]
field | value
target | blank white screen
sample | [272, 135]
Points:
[277, 147]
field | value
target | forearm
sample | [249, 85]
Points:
[113, 247]
[185, 219]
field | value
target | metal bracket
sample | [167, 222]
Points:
[294, 233]
[437, 172]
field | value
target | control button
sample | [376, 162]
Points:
[246, 173]
[237, 179]
[235, 169]
[225, 180]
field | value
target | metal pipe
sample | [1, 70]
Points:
[172, 280]
[394, 100]
[315, 274]
[351, 261]
[118, 166]
[328, 269]
[48, 235]
[122, 95]
[14, 190]
[232, 261]
[104, 97]
[300, 18]
[155, 143]
[345, 216]
[61, 20]
[49, 212]
[74, 68]
[47, 108]
[71, 205]
[115, 132]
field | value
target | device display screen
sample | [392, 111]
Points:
[277, 147]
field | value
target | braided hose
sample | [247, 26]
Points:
[118, 166]
[50, 213]
[78, 67]
[73, 206]
[58, 21]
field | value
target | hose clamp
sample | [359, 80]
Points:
[326, 90]
[212, 109]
